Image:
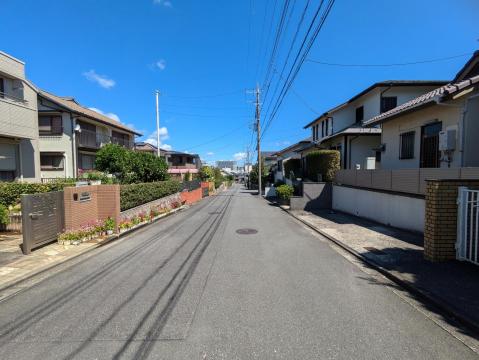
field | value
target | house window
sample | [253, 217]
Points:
[120, 138]
[50, 125]
[388, 103]
[326, 127]
[51, 161]
[280, 165]
[359, 114]
[430, 154]
[2, 88]
[87, 162]
[406, 145]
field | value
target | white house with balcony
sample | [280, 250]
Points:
[341, 128]
[70, 135]
[19, 138]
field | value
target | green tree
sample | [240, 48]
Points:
[131, 166]
[253, 175]
[322, 164]
[207, 173]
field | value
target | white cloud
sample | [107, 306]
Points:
[165, 3]
[101, 80]
[210, 153]
[164, 135]
[161, 64]
[110, 115]
[239, 156]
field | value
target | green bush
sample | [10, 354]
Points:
[322, 162]
[132, 195]
[131, 166]
[284, 192]
[292, 165]
[10, 192]
[4, 218]
[207, 173]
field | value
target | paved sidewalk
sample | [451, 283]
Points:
[15, 266]
[451, 285]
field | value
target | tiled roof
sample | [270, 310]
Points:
[380, 84]
[70, 104]
[435, 95]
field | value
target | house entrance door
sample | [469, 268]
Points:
[430, 155]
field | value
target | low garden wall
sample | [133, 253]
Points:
[191, 197]
[316, 195]
[170, 201]
[89, 204]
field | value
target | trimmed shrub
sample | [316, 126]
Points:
[292, 165]
[322, 162]
[132, 195]
[10, 192]
[284, 192]
[4, 218]
[131, 166]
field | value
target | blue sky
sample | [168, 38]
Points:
[204, 55]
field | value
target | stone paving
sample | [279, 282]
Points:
[451, 285]
[15, 266]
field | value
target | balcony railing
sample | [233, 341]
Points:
[12, 98]
[93, 140]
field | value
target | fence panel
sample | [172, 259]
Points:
[364, 178]
[467, 225]
[42, 219]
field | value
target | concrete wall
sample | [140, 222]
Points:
[449, 116]
[390, 209]
[191, 197]
[315, 196]
[164, 202]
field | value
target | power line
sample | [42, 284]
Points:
[204, 115]
[215, 138]
[390, 64]
[302, 57]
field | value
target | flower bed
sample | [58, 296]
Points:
[155, 212]
[89, 231]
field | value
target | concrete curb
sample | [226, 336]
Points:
[419, 293]
[108, 240]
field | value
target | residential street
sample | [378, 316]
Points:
[191, 287]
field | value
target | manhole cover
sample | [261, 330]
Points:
[246, 231]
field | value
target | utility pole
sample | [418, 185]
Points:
[258, 138]
[158, 151]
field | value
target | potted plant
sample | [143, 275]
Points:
[109, 225]
[284, 193]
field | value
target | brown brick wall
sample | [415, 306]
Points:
[104, 202]
[190, 197]
[440, 229]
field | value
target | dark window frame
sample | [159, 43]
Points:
[54, 130]
[2, 88]
[406, 145]
[80, 156]
[44, 167]
[360, 114]
[388, 103]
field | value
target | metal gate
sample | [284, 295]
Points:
[43, 218]
[467, 225]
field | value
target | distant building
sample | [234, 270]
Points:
[226, 164]
[179, 163]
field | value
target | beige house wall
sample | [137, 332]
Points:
[450, 116]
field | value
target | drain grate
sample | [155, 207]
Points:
[374, 250]
[246, 231]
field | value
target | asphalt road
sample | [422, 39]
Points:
[191, 287]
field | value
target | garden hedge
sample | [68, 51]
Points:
[293, 165]
[322, 162]
[132, 195]
[10, 192]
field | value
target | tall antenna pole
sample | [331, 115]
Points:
[258, 137]
[158, 151]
